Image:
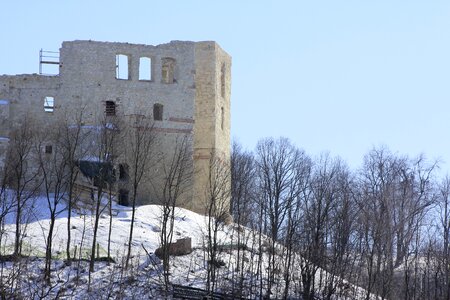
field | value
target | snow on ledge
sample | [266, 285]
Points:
[4, 139]
[4, 102]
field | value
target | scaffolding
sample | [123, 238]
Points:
[48, 58]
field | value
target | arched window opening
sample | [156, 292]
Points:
[168, 69]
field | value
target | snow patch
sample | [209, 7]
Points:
[146, 278]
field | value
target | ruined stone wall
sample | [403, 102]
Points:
[189, 80]
[22, 100]
[89, 72]
[25, 95]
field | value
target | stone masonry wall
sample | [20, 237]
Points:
[88, 71]
[191, 80]
[22, 99]
[212, 126]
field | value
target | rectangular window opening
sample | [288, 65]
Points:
[158, 112]
[122, 68]
[48, 149]
[49, 104]
[110, 108]
[123, 171]
[145, 68]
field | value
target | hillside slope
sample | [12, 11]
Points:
[237, 265]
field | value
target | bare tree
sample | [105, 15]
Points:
[53, 168]
[5, 201]
[395, 195]
[101, 172]
[72, 142]
[243, 171]
[339, 257]
[294, 219]
[115, 151]
[316, 223]
[277, 162]
[140, 143]
[23, 176]
[444, 219]
[243, 205]
[217, 208]
[414, 198]
[177, 169]
[379, 174]
[6, 206]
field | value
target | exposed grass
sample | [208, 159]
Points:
[27, 250]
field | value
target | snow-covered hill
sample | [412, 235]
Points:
[144, 277]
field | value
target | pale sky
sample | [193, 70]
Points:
[337, 76]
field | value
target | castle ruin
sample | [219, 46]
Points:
[183, 86]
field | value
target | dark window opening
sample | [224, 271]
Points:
[222, 115]
[123, 197]
[158, 112]
[123, 171]
[110, 108]
[48, 149]
[168, 70]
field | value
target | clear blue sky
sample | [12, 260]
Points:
[336, 76]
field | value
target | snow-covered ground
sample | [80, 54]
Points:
[144, 277]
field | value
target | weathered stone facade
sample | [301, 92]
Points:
[190, 82]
